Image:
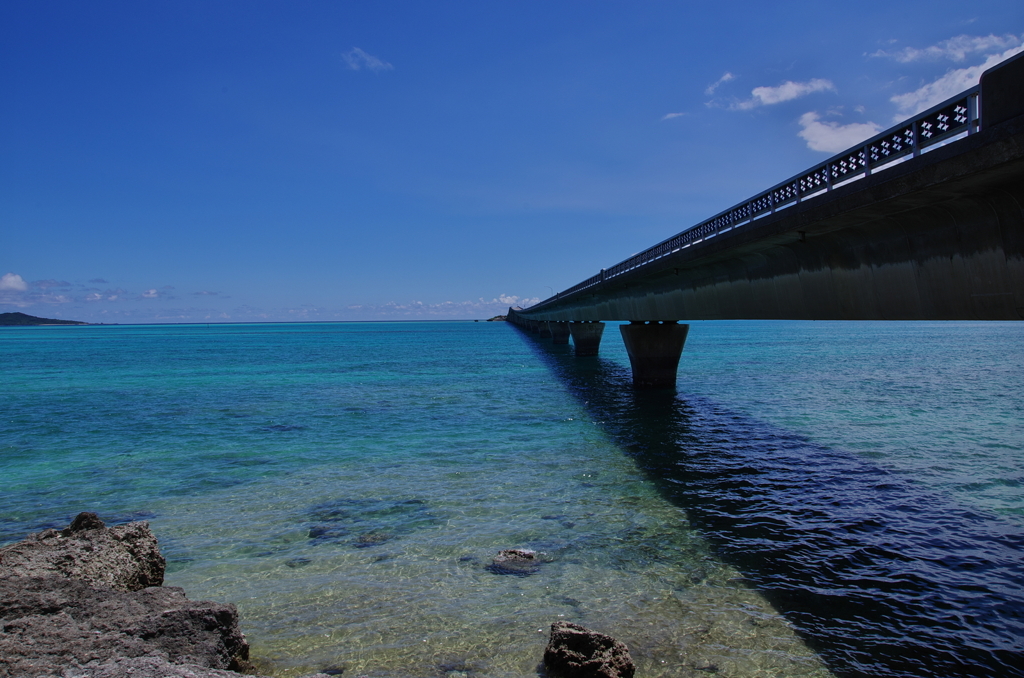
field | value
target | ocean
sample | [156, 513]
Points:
[814, 499]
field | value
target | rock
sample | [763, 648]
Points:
[518, 562]
[87, 602]
[124, 557]
[576, 652]
[50, 623]
[150, 666]
[86, 520]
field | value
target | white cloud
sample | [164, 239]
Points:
[669, 116]
[150, 294]
[955, 49]
[13, 282]
[787, 91]
[724, 79]
[950, 84]
[357, 60]
[831, 137]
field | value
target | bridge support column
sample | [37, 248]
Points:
[586, 337]
[534, 326]
[545, 329]
[559, 332]
[654, 349]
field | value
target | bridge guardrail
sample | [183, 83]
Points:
[955, 116]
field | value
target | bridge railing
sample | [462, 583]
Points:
[955, 116]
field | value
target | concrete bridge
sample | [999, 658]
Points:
[924, 221]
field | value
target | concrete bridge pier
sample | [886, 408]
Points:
[544, 329]
[586, 337]
[559, 332]
[654, 349]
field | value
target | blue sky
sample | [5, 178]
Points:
[236, 161]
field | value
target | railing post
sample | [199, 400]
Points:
[916, 141]
[972, 114]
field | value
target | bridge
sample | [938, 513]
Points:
[924, 221]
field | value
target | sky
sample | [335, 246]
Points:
[223, 161]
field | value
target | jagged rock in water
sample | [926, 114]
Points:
[123, 557]
[577, 652]
[150, 666]
[78, 601]
[50, 623]
[518, 562]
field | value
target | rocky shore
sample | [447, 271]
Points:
[88, 601]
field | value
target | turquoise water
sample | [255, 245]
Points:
[346, 485]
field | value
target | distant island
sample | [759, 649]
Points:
[25, 319]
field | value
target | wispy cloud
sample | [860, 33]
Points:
[831, 137]
[16, 291]
[955, 49]
[49, 284]
[670, 116]
[13, 282]
[162, 293]
[787, 91]
[722, 80]
[106, 295]
[950, 84]
[357, 60]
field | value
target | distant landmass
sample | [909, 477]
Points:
[25, 319]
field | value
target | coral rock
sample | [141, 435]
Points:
[518, 562]
[576, 652]
[124, 557]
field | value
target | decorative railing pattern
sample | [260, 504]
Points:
[955, 116]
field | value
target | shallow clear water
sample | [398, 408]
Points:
[346, 485]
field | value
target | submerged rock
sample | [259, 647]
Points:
[368, 522]
[517, 562]
[123, 557]
[577, 652]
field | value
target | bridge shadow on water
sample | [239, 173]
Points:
[880, 577]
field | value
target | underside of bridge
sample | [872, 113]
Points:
[939, 237]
